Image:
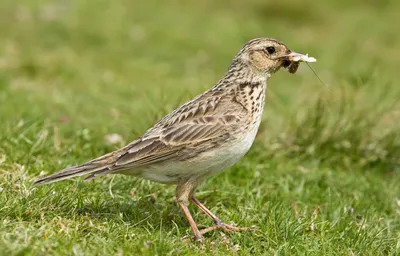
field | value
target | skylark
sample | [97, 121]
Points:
[203, 136]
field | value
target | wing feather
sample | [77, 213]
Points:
[189, 126]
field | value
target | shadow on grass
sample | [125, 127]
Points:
[134, 212]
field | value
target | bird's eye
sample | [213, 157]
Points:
[270, 49]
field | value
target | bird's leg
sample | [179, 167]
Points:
[216, 220]
[218, 223]
[197, 234]
[184, 190]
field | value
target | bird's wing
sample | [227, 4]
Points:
[205, 120]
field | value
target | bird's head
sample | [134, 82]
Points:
[266, 56]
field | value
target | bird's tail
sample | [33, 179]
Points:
[101, 164]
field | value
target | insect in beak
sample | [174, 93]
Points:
[299, 57]
[292, 61]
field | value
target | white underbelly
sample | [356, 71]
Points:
[205, 164]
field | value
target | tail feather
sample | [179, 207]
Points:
[101, 164]
[98, 173]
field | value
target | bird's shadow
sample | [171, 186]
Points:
[147, 212]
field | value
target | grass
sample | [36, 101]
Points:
[323, 177]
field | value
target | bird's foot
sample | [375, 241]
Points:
[198, 237]
[226, 228]
[195, 238]
[222, 226]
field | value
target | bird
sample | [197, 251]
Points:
[202, 137]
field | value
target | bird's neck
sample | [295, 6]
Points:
[240, 74]
[245, 86]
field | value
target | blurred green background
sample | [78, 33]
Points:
[322, 177]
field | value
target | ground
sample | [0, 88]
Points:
[322, 177]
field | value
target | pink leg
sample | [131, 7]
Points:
[218, 223]
[192, 224]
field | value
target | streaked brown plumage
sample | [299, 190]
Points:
[202, 137]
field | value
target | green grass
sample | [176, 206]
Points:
[323, 177]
